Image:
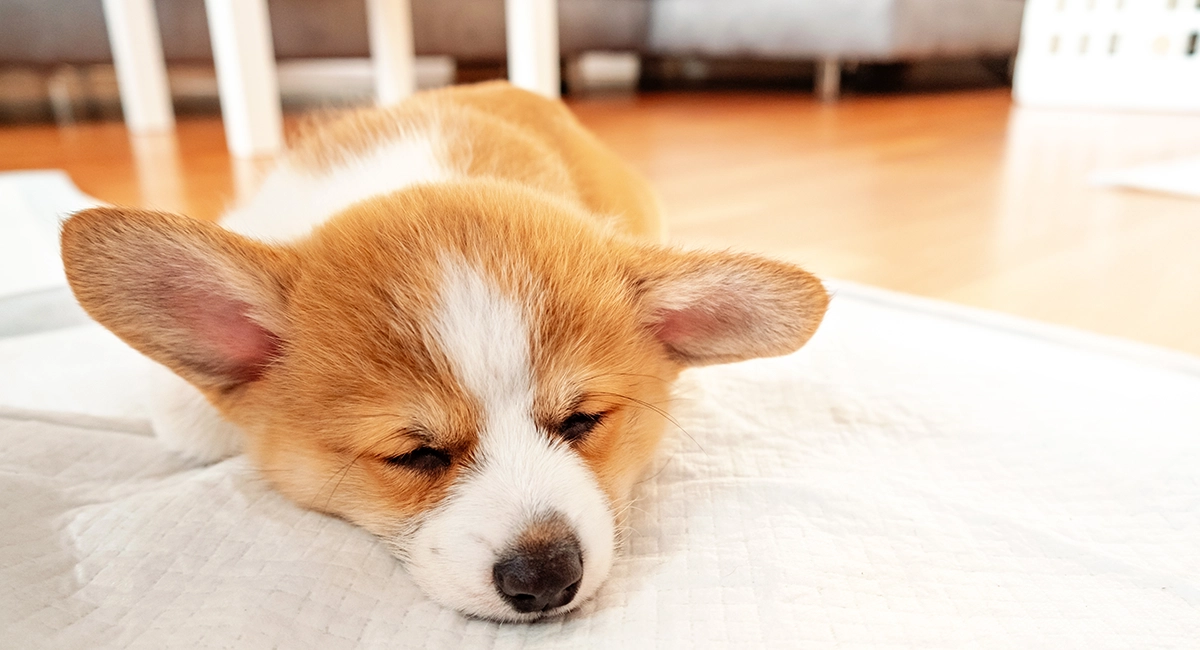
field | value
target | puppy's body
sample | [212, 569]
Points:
[448, 323]
[487, 131]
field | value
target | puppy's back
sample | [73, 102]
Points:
[486, 131]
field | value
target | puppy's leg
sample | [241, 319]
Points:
[186, 422]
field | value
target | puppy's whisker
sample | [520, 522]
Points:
[651, 407]
[660, 470]
[341, 476]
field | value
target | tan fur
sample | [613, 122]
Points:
[592, 343]
[498, 131]
[542, 209]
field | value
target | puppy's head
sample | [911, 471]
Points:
[475, 373]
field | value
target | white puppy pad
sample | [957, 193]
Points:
[33, 287]
[918, 476]
[31, 206]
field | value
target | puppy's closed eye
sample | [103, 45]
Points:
[578, 425]
[427, 460]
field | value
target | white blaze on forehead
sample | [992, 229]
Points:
[520, 474]
[484, 335]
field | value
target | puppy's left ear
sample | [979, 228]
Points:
[203, 301]
[707, 308]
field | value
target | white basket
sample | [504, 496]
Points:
[1120, 54]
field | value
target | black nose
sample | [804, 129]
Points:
[540, 576]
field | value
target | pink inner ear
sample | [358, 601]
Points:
[684, 330]
[233, 343]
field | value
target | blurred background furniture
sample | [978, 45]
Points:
[141, 71]
[37, 32]
[1114, 55]
[688, 35]
[835, 33]
[246, 68]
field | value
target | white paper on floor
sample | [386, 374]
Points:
[1179, 177]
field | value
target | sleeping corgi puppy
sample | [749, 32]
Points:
[450, 322]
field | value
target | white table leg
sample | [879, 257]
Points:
[246, 76]
[389, 23]
[533, 45]
[141, 71]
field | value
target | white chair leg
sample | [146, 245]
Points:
[159, 171]
[829, 79]
[248, 176]
[141, 71]
[389, 23]
[246, 76]
[533, 45]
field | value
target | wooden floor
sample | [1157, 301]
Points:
[954, 196]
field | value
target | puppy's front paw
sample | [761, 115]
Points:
[186, 422]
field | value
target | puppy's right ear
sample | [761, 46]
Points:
[205, 302]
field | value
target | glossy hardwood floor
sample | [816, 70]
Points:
[955, 196]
